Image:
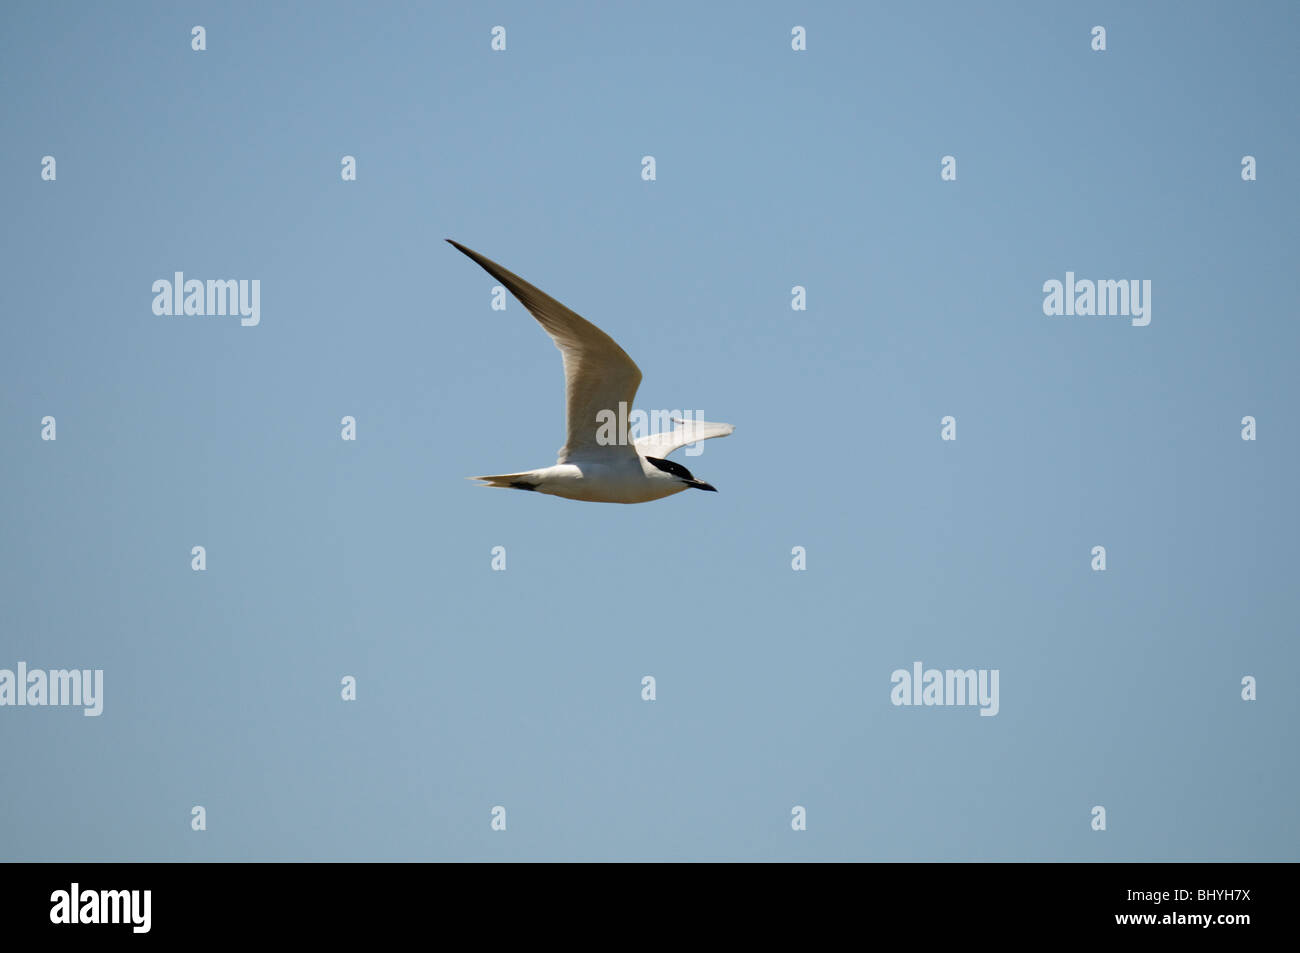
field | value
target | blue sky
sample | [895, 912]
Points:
[522, 688]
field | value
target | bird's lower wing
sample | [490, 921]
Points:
[686, 432]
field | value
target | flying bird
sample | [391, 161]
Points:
[598, 376]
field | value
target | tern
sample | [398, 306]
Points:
[598, 377]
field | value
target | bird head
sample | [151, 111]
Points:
[678, 472]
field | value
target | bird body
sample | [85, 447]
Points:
[622, 481]
[599, 378]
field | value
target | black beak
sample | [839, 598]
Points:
[702, 486]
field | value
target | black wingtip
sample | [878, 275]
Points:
[462, 249]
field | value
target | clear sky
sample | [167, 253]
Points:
[774, 168]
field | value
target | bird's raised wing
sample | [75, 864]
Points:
[598, 374]
[687, 431]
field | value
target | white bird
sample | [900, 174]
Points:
[598, 377]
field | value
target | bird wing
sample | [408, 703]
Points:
[688, 431]
[598, 374]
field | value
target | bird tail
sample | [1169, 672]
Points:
[510, 481]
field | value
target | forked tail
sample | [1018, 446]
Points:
[509, 481]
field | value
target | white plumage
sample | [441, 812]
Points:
[599, 377]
